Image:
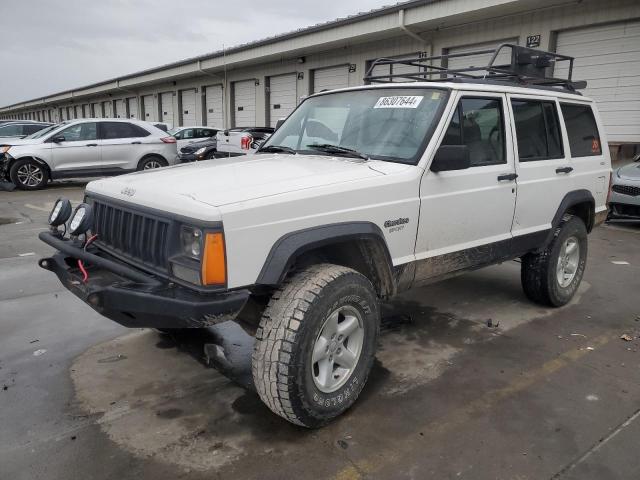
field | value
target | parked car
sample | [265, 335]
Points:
[20, 129]
[187, 135]
[242, 140]
[200, 150]
[85, 148]
[624, 202]
[362, 193]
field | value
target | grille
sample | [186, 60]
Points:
[626, 190]
[136, 236]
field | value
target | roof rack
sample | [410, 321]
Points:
[528, 67]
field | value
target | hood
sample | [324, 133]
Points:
[630, 172]
[17, 141]
[237, 179]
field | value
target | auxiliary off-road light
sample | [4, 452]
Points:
[81, 220]
[60, 213]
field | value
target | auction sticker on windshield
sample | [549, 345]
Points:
[401, 101]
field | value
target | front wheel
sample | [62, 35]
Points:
[553, 276]
[316, 343]
[27, 174]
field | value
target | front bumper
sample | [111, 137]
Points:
[623, 206]
[186, 157]
[133, 298]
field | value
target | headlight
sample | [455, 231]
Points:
[60, 213]
[191, 241]
[5, 148]
[200, 151]
[81, 220]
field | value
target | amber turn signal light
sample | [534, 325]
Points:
[214, 267]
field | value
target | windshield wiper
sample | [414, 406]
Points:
[338, 150]
[278, 149]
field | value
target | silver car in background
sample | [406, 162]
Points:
[85, 148]
[624, 202]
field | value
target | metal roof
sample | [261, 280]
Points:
[377, 12]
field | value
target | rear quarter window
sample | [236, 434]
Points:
[584, 138]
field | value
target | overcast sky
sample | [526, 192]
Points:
[47, 46]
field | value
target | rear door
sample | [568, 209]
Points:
[122, 144]
[543, 166]
[79, 151]
[466, 215]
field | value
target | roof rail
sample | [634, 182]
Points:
[528, 67]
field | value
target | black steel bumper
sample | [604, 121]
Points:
[133, 298]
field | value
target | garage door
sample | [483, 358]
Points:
[150, 113]
[244, 103]
[482, 59]
[608, 58]
[97, 110]
[282, 97]
[166, 104]
[188, 104]
[121, 109]
[330, 78]
[107, 108]
[214, 106]
[86, 110]
[133, 107]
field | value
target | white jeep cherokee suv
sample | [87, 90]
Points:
[85, 148]
[361, 194]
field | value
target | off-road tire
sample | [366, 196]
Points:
[538, 270]
[26, 163]
[151, 159]
[289, 327]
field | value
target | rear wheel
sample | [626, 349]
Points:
[553, 276]
[152, 162]
[316, 343]
[27, 174]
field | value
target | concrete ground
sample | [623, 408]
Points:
[539, 394]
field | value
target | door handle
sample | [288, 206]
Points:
[564, 170]
[91, 145]
[507, 177]
[136, 143]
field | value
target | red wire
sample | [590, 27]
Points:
[85, 275]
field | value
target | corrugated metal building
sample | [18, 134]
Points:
[260, 82]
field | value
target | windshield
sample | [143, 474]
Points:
[393, 124]
[44, 131]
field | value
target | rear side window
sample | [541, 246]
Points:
[29, 129]
[113, 130]
[584, 139]
[537, 130]
[477, 123]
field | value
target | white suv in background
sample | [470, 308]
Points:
[85, 148]
[187, 135]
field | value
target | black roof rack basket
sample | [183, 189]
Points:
[528, 67]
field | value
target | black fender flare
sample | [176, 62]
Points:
[572, 199]
[289, 247]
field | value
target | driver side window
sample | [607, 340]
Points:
[478, 124]
[80, 132]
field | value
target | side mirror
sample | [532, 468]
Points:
[280, 122]
[58, 139]
[451, 157]
[226, 133]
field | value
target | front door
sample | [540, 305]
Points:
[79, 150]
[466, 215]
